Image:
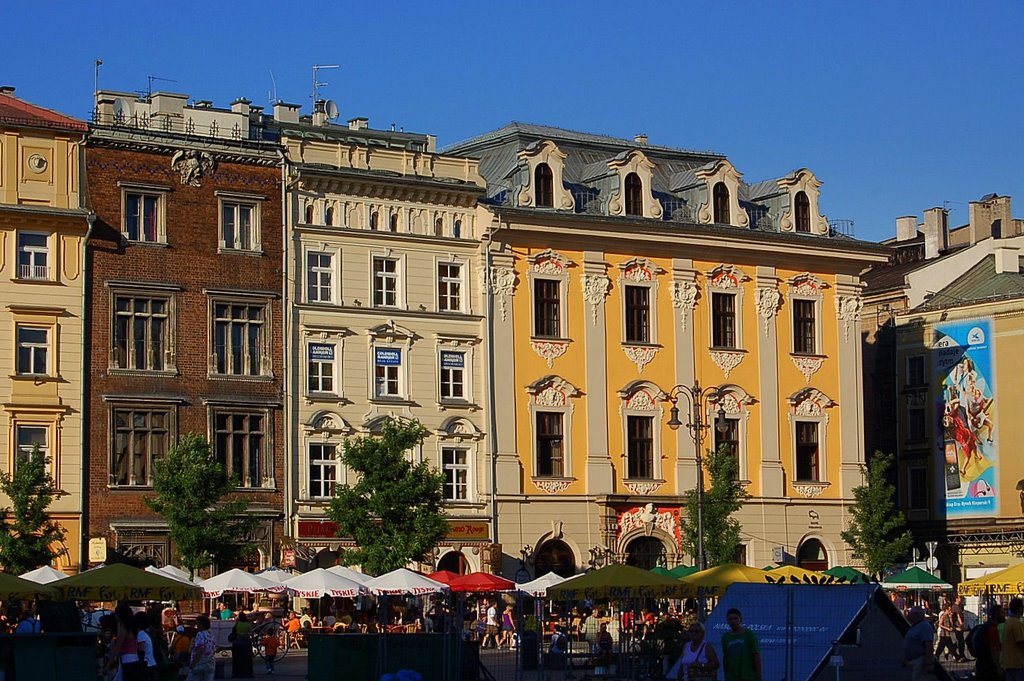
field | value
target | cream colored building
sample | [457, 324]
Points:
[386, 319]
[43, 231]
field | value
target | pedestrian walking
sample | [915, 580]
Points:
[946, 633]
[204, 647]
[741, 651]
[917, 646]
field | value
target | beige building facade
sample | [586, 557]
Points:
[43, 232]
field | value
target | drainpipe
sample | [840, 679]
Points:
[285, 351]
[492, 401]
[83, 481]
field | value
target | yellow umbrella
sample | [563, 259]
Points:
[714, 581]
[617, 581]
[17, 589]
[1008, 582]
[791, 574]
[120, 582]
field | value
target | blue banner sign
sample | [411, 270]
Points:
[453, 360]
[391, 357]
[321, 352]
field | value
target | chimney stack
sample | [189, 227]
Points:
[358, 123]
[286, 113]
[906, 228]
[241, 106]
[990, 217]
[6, 89]
[1007, 260]
[641, 138]
[936, 232]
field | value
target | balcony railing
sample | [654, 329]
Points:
[33, 272]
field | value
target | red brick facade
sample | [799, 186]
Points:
[140, 387]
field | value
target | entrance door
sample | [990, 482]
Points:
[646, 553]
[555, 556]
[812, 556]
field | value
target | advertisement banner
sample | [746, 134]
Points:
[388, 357]
[322, 352]
[964, 371]
[452, 360]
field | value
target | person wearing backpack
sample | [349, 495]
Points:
[983, 644]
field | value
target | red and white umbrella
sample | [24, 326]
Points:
[237, 581]
[481, 582]
[319, 583]
[403, 581]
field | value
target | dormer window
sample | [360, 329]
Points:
[720, 196]
[544, 184]
[802, 213]
[634, 195]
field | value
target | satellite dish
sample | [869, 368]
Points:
[331, 108]
[122, 109]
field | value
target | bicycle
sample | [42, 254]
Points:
[274, 628]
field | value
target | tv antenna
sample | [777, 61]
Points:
[317, 83]
[96, 63]
[151, 78]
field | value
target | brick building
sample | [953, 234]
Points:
[184, 293]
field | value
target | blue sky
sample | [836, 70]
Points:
[896, 106]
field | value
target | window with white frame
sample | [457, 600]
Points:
[807, 452]
[453, 375]
[140, 436]
[547, 308]
[385, 282]
[320, 367]
[319, 277]
[455, 466]
[550, 444]
[28, 438]
[144, 216]
[723, 320]
[727, 436]
[240, 338]
[239, 225]
[33, 256]
[142, 328]
[387, 372]
[637, 300]
[449, 287]
[241, 444]
[33, 349]
[640, 447]
[323, 470]
[805, 326]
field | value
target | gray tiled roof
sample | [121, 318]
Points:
[760, 190]
[982, 282]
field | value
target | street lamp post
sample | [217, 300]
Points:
[699, 400]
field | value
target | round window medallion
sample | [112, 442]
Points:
[37, 163]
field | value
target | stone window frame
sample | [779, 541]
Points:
[552, 266]
[554, 394]
[237, 199]
[166, 292]
[546, 152]
[52, 271]
[268, 482]
[464, 279]
[51, 418]
[116, 402]
[711, 174]
[322, 427]
[324, 337]
[643, 398]
[624, 165]
[215, 297]
[389, 336]
[807, 286]
[160, 192]
[333, 250]
[401, 264]
[805, 181]
[736, 402]
[810, 405]
[641, 272]
[37, 317]
[727, 279]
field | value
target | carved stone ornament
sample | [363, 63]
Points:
[726, 360]
[768, 300]
[807, 284]
[553, 485]
[549, 350]
[810, 402]
[646, 517]
[192, 165]
[727, 276]
[641, 400]
[848, 310]
[639, 270]
[595, 289]
[641, 355]
[550, 263]
[808, 365]
[684, 299]
[645, 488]
[502, 282]
[810, 489]
[550, 397]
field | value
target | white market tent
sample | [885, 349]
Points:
[175, 574]
[319, 583]
[237, 581]
[43, 575]
[172, 571]
[276, 575]
[538, 588]
[349, 573]
[403, 581]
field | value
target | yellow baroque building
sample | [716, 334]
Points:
[43, 230]
[620, 271]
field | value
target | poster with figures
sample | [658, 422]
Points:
[968, 450]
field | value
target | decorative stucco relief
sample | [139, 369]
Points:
[848, 309]
[768, 300]
[684, 299]
[808, 365]
[549, 350]
[646, 518]
[553, 486]
[502, 282]
[727, 277]
[595, 290]
[807, 284]
[641, 355]
[726, 360]
[810, 489]
[192, 166]
[645, 488]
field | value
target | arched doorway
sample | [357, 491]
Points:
[555, 556]
[454, 561]
[812, 556]
[646, 553]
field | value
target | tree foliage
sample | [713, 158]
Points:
[206, 522]
[875, 530]
[723, 496]
[395, 512]
[28, 537]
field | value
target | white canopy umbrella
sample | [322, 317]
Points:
[403, 581]
[320, 582]
[177, 574]
[276, 575]
[43, 575]
[538, 588]
[349, 573]
[172, 571]
[237, 581]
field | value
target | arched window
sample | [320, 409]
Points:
[454, 561]
[457, 229]
[646, 553]
[439, 227]
[544, 189]
[634, 195]
[373, 220]
[329, 216]
[394, 222]
[720, 196]
[812, 556]
[555, 556]
[802, 212]
[309, 214]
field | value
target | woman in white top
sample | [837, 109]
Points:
[698, 661]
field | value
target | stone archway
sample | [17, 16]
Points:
[646, 552]
[554, 556]
[454, 561]
[812, 555]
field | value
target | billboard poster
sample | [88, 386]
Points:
[388, 357]
[964, 366]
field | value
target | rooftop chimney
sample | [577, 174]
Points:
[640, 138]
[906, 228]
[936, 232]
[1007, 260]
[203, 104]
[241, 106]
[990, 217]
[358, 123]
[167, 104]
[6, 89]
[286, 113]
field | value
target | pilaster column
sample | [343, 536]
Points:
[684, 299]
[848, 305]
[502, 281]
[595, 284]
[768, 301]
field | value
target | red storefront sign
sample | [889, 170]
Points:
[318, 529]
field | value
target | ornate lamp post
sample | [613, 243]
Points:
[699, 401]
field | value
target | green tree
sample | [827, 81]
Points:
[875, 530]
[28, 538]
[723, 496]
[395, 512]
[205, 519]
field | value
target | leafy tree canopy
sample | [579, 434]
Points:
[206, 523]
[28, 537]
[723, 496]
[876, 532]
[395, 512]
